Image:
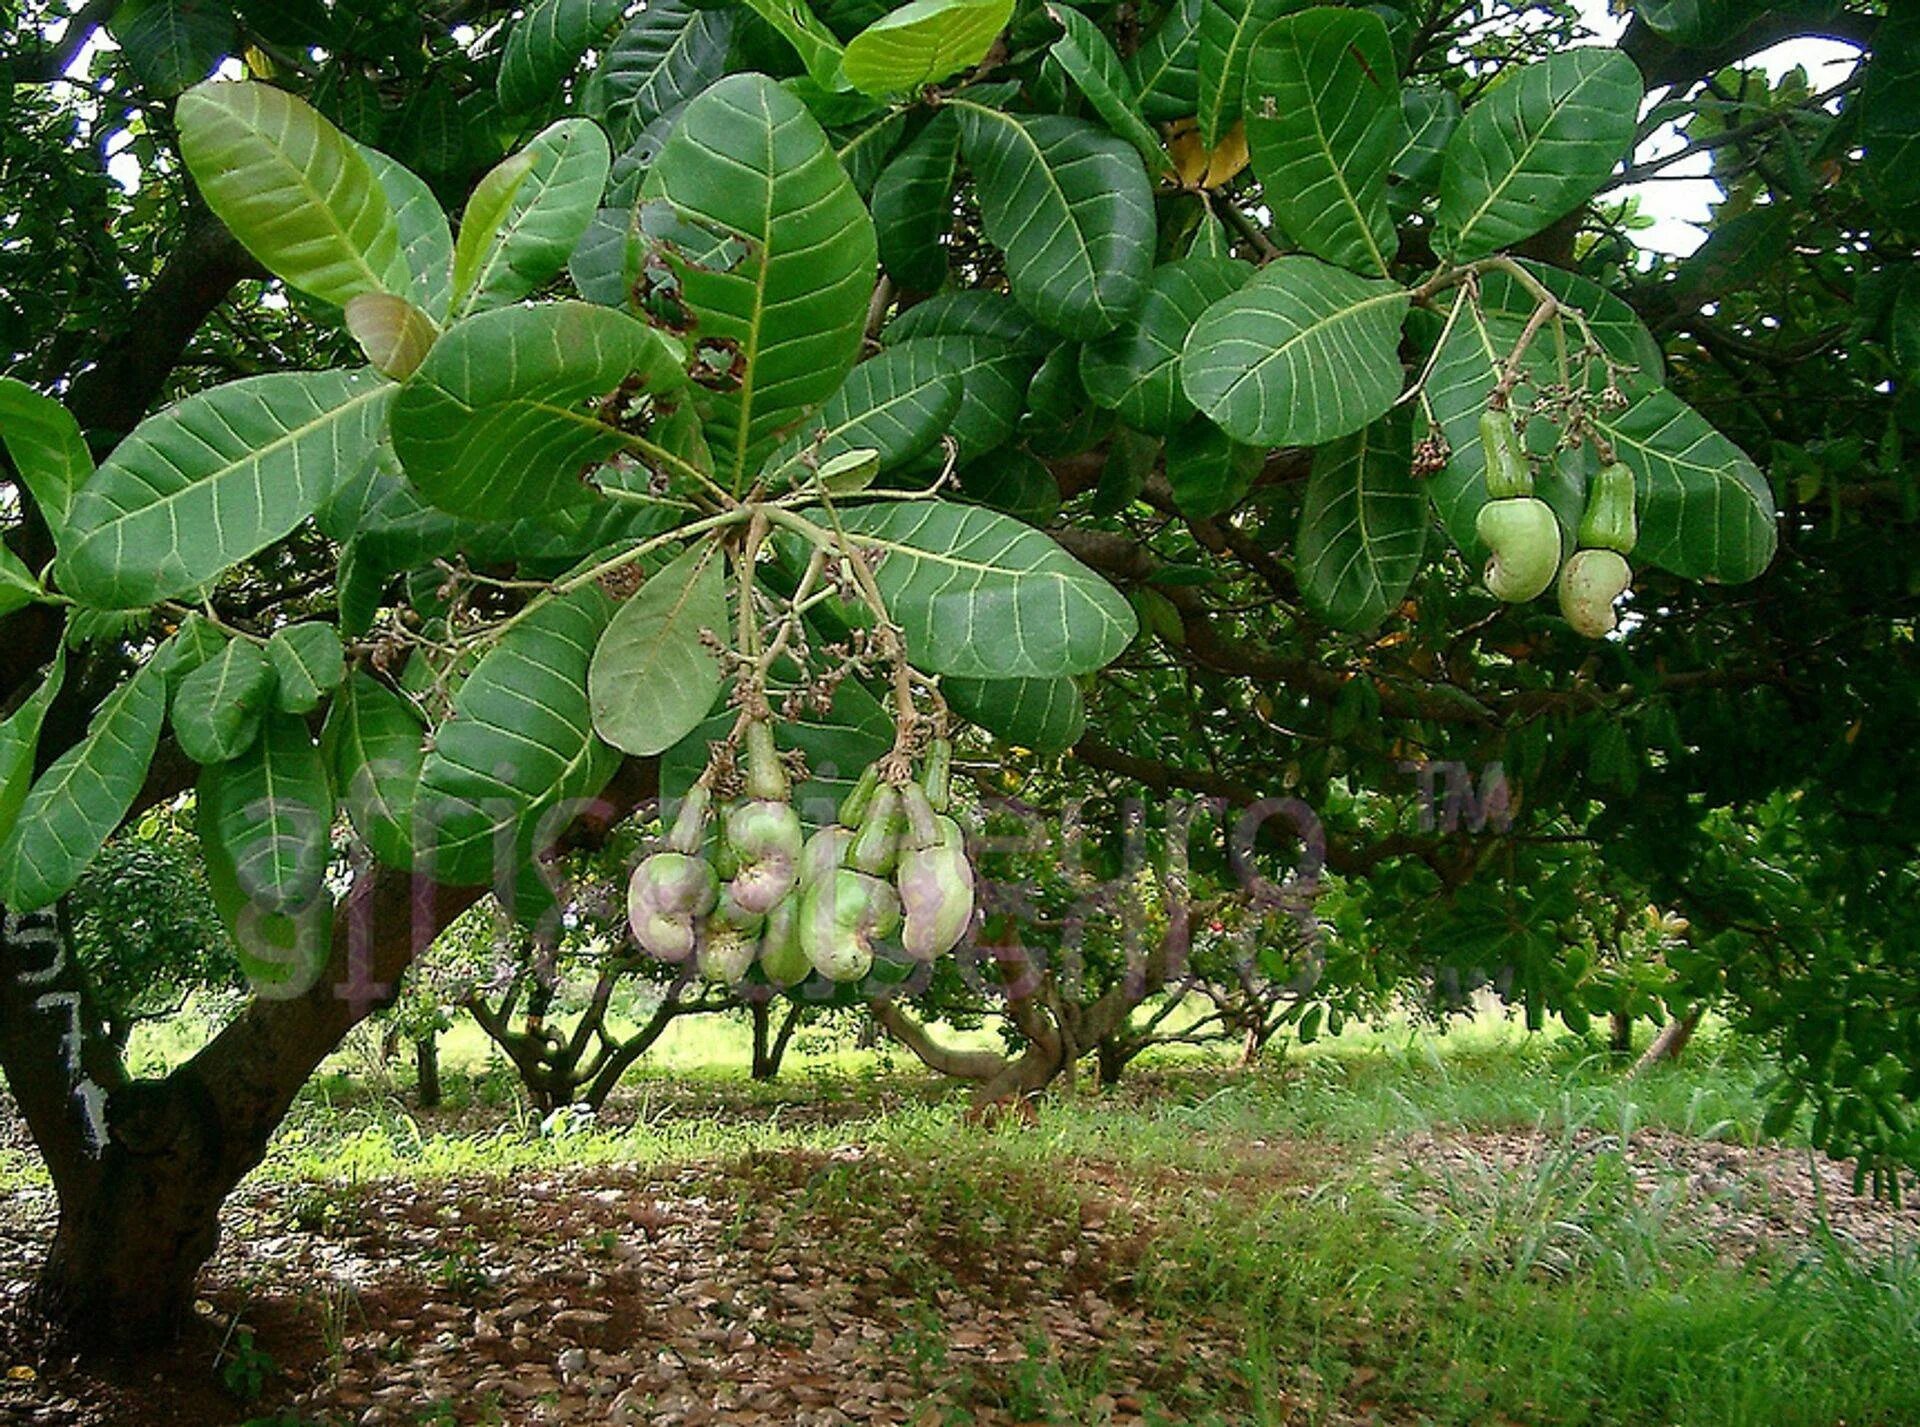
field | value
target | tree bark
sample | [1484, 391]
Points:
[1671, 1041]
[1621, 1039]
[770, 1045]
[426, 1059]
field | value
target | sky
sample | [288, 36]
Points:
[1678, 201]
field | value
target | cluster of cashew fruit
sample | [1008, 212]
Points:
[891, 876]
[1523, 534]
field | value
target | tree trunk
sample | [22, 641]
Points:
[1111, 1057]
[1671, 1041]
[769, 1045]
[426, 1057]
[1620, 1042]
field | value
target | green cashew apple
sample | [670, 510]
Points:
[934, 879]
[1508, 474]
[729, 941]
[1524, 537]
[1610, 521]
[877, 844]
[1589, 585]
[767, 839]
[841, 917]
[825, 851]
[782, 958]
[668, 893]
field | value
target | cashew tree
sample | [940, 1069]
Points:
[781, 422]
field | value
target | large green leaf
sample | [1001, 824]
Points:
[1428, 116]
[308, 662]
[818, 47]
[1303, 353]
[1323, 125]
[297, 193]
[282, 953]
[1469, 361]
[1534, 147]
[1165, 69]
[174, 43]
[1045, 715]
[1890, 114]
[1228, 29]
[545, 45]
[993, 386]
[983, 596]
[426, 240]
[898, 404]
[1363, 529]
[923, 43]
[913, 206]
[206, 484]
[20, 741]
[518, 748]
[494, 424]
[526, 217]
[666, 55]
[1091, 62]
[653, 677]
[863, 152]
[273, 816]
[748, 161]
[1071, 207]
[1135, 370]
[218, 706]
[45, 445]
[1208, 471]
[1706, 511]
[76, 804]
[375, 742]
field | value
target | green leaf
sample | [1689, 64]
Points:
[666, 55]
[993, 386]
[923, 43]
[898, 404]
[1135, 371]
[970, 313]
[1534, 147]
[1228, 29]
[1091, 62]
[818, 47]
[526, 216]
[1706, 511]
[393, 334]
[297, 193]
[546, 44]
[203, 485]
[983, 596]
[174, 43]
[1363, 528]
[865, 151]
[494, 423]
[1208, 471]
[913, 206]
[1429, 115]
[1468, 363]
[20, 742]
[310, 664]
[1323, 124]
[282, 954]
[218, 706]
[1015, 481]
[76, 804]
[375, 743]
[1889, 110]
[749, 162]
[1045, 715]
[653, 679]
[1303, 353]
[426, 241]
[45, 445]
[1071, 208]
[518, 750]
[1165, 69]
[273, 816]
[18, 587]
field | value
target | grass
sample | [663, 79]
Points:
[1268, 1215]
